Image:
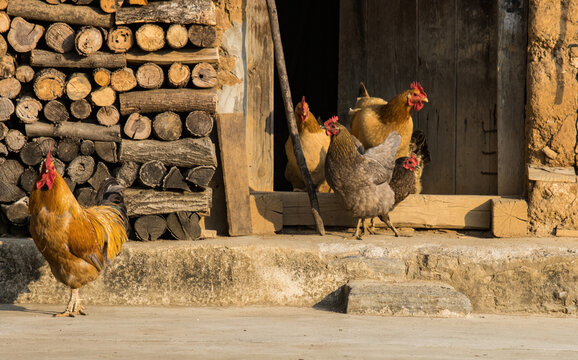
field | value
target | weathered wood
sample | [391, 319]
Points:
[178, 100]
[177, 36]
[4, 22]
[3, 149]
[86, 196]
[202, 35]
[107, 151]
[149, 202]
[88, 40]
[43, 58]
[110, 6]
[266, 213]
[10, 88]
[100, 174]
[78, 86]
[150, 37]
[68, 149]
[59, 165]
[101, 76]
[150, 227]
[199, 123]
[200, 175]
[3, 131]
[15, 140]
[150, 76]
[6, 108]
[204, 76]
[172, 12]
[123, 79]
[71, 14]
[87, 147]
[127, 173]
[75, 130]
[137, 2]
[105, 96]
[80, 109]
[7, 66]
[60, 37]
[49, 84]
[174, 180]
[567, 232]
[3, 4]
[231, 133]
[10, 193]
[82, 2]
[151, 173]
[183, 152]
[10, 171]
[108, 115]
[179, 75]
[23, 36]
[56, 112]
[554, 174]
[120, 39]
[17, 213]
[167, 57]
[46, 144]
[167, 126]
[509, 217]
[31, 154]
[27, 109]
[138, 127]
[3, 46]
[28, 179]
[80, 169]
[24, 73]
[184, 225]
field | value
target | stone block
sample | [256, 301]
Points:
[509, 217]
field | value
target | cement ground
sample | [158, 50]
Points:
[30, 332]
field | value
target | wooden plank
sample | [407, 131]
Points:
[418, 211]
[266, 213]
[149, 202]
[259, 95]
[476, 137]
[553, 174]
[168, 57]
[231, 132]
[512, 42]
[437, 73]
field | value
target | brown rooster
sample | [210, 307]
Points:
[360, 179]
[75, 241]
[314, 144]
[373, 123]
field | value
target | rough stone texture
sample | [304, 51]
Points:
[554, 205]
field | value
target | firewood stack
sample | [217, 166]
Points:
[113, 87]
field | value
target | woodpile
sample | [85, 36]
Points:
[122, 88]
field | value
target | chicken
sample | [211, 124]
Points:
[361, 179]
[363, 100]
[418, 147]
[373, 123]
[402, 183]
[314, 144]
[75, 241]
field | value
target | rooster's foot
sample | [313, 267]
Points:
[74, 306]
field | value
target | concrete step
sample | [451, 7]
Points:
[415, 298]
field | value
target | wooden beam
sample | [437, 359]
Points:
[509, 217]
[266, 213]
[159, 100]
[167, 57]
[74, 130]
[71, 14]
[44, 58]
[149, 202]
[177, 12]
[553, 174]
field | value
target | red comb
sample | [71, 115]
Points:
[416, 86]
[331, 121]
[303, 101]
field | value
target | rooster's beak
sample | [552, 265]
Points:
[425, 99]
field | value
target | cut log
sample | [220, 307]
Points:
[151, 173]
[28, 179]
[88, 40]
[150, 227]
[202, 35]
[149, 202]
[177, 100]
[80, 109]
[120, 39]
[68, 149]
[27, 109]
[110, 6]
[3, 131]
[86, 196]
[509, 217]
[59, 165]
[123, 80]
[10, 193]
[70, 14]
[174, 180]
[137, 127]
[100, 174]
[167, 57]
[171, 12]
[177, 36]
[3, 4]
[80, 169]
[150, 37]
[7, 66]
[31, 154]
[184, 225]
[127, 173]
[4, 22]
[55, 2]
[49, 84]
[107, 151]
[137, 2]
[200, 175]
[101, 76]
[78, 86]
[179, 75]
[167, 126]
[10, 87]
[204, 76]
[108, 115]
[17, 213]
[3, 149]
[71, 184]
[47, 143]
[150, 76]
[87, 147]
[75, 130]
[3, 46]
[82, 2]
[15, 140]
[182, 152]
[199, 123]
[24, 73]
[6, 108]
[104, 96]
[10, 171]
[56, 112]
[60, 37]
[43, 58]
[23, 36]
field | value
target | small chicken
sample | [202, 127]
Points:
[360, 179]
[403, 181]
[373, 123]
[418, 147]
[75, 241]
[314, 144]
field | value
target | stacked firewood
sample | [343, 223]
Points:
[126, 92]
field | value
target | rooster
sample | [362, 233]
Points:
[75, 241]
[360, 179]
[314, 144]
[372, 124]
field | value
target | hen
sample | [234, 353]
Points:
[360, 179]
[75, 241]
[372, 124]
[314, 144]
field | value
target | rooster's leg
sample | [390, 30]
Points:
[74, 306]
[371, 228]
[388, 222]
[358, 234]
